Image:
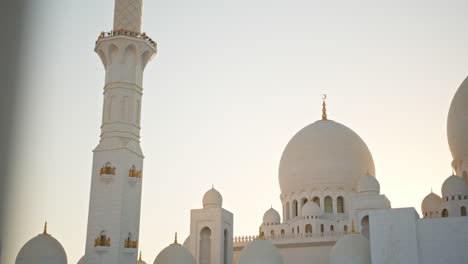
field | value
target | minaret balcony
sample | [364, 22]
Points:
[131, 244]
[126, 33]
[102, 241]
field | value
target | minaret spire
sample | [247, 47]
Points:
[324, 107]
[127, 15]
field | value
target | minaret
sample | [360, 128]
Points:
[116, 180]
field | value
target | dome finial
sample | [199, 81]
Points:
[45, 229]
[175, 240]
[324, 107]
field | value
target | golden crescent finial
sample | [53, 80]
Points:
[324, 107]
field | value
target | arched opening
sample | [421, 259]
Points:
[345, 228]
[465, 176]
[322, 228]
[463, 211]
[340, 205]
[328, 205]
[286, 215]
[225, 248]
[298, 229]
[205, 246]
[316, 200]
[445, 213]
[292, 230]
[365, 226]
[294, 205]
[332, 228]
[308, 229]
[282, 232]
[303, 202]
[272, 234]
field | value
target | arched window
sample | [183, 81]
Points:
[294, 205]
[340, 205]
[205, 246]
[453, 197]
[316, 200]
[463, 211]
[287, 211]
[445, 213]
[298, 229]
[345, 228]
[292, 230]
[272, 234]
[365, 226]
[332, 228]
[282, 232]
[308, 229]
[328, 205]
[322, 228]
[303, 202]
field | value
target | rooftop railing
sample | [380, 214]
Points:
[129, 34]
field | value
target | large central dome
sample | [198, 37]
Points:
[457, 123]
[324, 153]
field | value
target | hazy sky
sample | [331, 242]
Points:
[232, 82]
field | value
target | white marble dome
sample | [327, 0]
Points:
[351, 249]
[324, 153]
[260, 251]
[454, 185]
[311, 209]
[431, 203]
[271, 216]
[175, 254]
[457, 123]
[212, 199]
[42, 249]
[369, 185]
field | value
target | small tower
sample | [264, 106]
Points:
[116, 179]
[211, 231]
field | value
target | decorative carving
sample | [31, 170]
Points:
[134, 173]
[102, 240]
[131, 244]
[108, 169]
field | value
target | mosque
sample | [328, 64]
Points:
[332, 209]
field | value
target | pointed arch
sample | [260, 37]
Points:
[205, 246]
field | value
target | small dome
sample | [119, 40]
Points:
[369, 185]
[82, 260]
[42, 249]
[271, 216]
[431, 203]
[174, 254]
[457, 123]
[186, 243]
[351, 249]
[454, 185]
[311, 209]
[260, 251]
[323, 153]
[212, 199]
